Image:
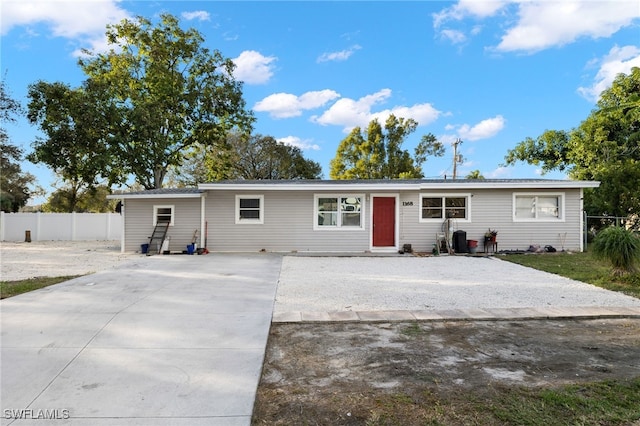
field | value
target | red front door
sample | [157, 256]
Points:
[384, 221]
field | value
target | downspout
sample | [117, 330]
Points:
[203, 198]
[122, 227]
[583, 222]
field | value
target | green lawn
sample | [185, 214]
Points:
[579, 266]
[13, 288]
[600, 403]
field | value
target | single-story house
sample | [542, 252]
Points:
[357, 215]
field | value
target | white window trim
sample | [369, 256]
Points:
[240, 221]
[338, 227]
[466, 195]
[164, 206]
[561, 206]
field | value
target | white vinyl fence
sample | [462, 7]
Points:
[60, 226]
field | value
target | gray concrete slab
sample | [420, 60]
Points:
[170, 340]
[316, 316]
[165, 340]
[287, 317]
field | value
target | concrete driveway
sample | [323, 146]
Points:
[165, 340]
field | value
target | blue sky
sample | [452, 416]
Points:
[488, 72]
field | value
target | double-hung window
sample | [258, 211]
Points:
[338, 211]
[250, 209]
[529, 207]
[163, 215]
[440, 207]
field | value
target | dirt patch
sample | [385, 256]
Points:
[352, 373]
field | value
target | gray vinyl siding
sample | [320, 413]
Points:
[139, 222]
[289, 216]
[288, 225]
[494, 209]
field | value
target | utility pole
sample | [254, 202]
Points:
[456, 157]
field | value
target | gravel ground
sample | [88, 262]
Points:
[20, 261]
[327, 284]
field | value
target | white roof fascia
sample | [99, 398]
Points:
[398, 186]
[153, 196]
[307, 187]
[566, 184]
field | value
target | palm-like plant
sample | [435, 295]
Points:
[620, 247]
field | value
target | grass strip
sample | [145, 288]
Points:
[599, 403]
[14, 288]
[583, 267]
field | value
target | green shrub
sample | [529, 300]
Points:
[618, 246]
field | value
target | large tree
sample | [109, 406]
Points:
[604, 147]
[251, 157]
[16, 186]
[77, 124]
[378, 153]
[89, 200]
[171, 91]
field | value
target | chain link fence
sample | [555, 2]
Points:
[592, 224]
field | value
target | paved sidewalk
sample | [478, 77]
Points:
[165, 340]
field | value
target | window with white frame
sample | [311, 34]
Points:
[163, 215]
[338, 211]
[538, 207]
[250, 209]
[439, 207]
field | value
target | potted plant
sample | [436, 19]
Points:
[490, 235]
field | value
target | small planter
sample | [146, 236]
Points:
[472, 245]
[490, 235]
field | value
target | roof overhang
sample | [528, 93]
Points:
[150, 196]
[552, 184]
[398, 186]
[356, 186]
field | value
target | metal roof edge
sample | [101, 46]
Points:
[551, 184]
[306, 187]
[393, 185]
[155, 196]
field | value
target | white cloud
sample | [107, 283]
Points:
[303, 144]
[483, 130]
[464, 8]
[618, 60]
[68, 19]
[544, 24]
[454, 36]
[285, 105]
[422, 113]
[498, 173]
[539, 24]
[200, 15]
[230, 36]
[253, 68]
[95, 45]
[83, 22]
[350, 113]
[342, 55]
